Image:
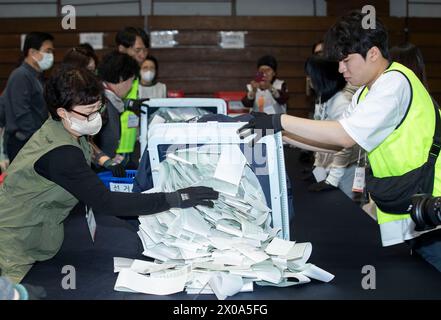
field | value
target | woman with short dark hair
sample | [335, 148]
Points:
[52, 173]
[149, 87]
[410, 56]
[81, 57]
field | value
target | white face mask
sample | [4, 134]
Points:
[148, 76]
[46, 62]
[84, 127]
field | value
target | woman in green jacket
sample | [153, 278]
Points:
[52, 173]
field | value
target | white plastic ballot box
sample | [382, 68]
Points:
[266, 159]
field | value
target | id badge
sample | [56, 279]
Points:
[359, 179]
[91, 223]
[133, 121]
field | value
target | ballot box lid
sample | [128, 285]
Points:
[213, 105]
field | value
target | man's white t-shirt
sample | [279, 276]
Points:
[372, 120]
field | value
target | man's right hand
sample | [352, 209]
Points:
[262, 124]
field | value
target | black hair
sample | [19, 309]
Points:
[127, 37]
[348, 36]
[315, 46]
[34, 40]
[68, 87]
[77, 57]
[325, 78]
[116, 67]
[90, 51]
[269, 61]
[410, 56]
[155, 62]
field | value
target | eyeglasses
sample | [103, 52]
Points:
[139, 50]
[93, 115]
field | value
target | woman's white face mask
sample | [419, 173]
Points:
[86, 127]
[148, 76]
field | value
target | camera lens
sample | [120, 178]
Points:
[433, 211]
[426, 212]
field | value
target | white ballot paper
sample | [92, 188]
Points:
[131, 281]
[221, 250]
[230, 165]
[121, 263]
[224, 285]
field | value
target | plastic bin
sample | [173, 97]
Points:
[118, 184]
[175, 94]
[233, 100]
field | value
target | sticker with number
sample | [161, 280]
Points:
[133, 121]
[120, 187]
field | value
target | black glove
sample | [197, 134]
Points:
[262, 124]
[321, 186]
[190, 197]
[134, 105]
[116, 168]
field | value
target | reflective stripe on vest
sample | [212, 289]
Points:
[405, 149]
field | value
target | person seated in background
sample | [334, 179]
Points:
[135, 42]
[266, 93]
[117, 71]
[24, 106]
[149, 87]
[81, 57]
[52, 173]
[332, 99]
[410, 56]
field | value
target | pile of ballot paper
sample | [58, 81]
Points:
[221, 250]
[172, 114]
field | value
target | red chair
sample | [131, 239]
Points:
[233, 100]
[175, 94]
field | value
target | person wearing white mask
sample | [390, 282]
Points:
[149, 87]
[25, 109]
[52, 173]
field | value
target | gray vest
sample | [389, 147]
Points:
[32, 208]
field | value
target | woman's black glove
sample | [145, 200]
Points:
[262, 124]
[321, 186]
[116, 168]
[191, 197]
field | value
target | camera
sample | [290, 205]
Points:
[259, 77]
[426, 211]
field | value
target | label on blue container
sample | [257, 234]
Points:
[120, 187]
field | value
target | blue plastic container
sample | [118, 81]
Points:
[107, 178]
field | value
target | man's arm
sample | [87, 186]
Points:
[327, 132]
[309, 144]
[20, 98]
